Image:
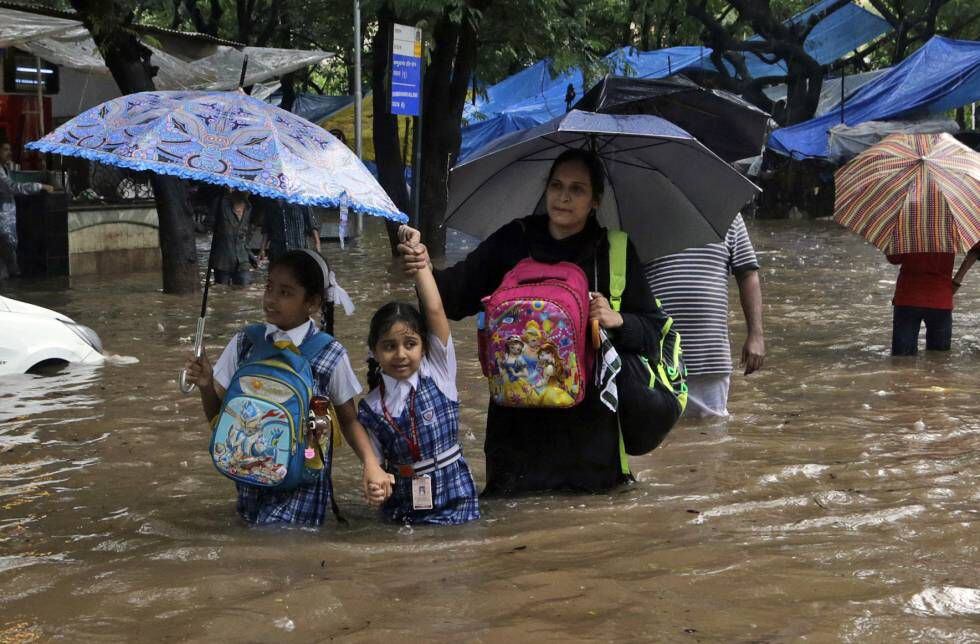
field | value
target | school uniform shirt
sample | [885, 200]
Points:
[334, 378]
[436, 414]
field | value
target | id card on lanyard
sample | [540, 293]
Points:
[421, 484]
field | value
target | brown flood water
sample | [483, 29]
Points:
[839, 503]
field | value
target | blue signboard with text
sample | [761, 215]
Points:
[406, 70]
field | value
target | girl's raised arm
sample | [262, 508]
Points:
[429, 298]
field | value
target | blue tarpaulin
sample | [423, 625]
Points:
[944, 74]
[532, 97]
[478, 134]
[314, 107]
[835, 35]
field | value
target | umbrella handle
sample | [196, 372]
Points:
[188, 387]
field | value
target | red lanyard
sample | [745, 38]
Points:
[413, 440]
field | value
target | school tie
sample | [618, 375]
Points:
[282, 344]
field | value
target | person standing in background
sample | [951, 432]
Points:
[8, 211]
[287, 227]
[231, 257]
[693, 287]
[923, 293]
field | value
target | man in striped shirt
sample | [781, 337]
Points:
[693, 287]
[286, 227]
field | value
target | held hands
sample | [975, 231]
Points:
[377, 484]
[599, 309]
[753, 353]
[199, 371]
[412, 252]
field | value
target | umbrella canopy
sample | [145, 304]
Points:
[731, 127]
[663, 187]
[912, 193]
[225, 138]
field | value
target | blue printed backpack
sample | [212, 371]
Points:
[260, 436]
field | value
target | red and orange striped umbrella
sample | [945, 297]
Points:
[912, 193]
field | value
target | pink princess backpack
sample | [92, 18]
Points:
[534, 336]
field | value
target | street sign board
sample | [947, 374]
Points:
[406, 70]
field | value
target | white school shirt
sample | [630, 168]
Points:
[343, 384]
[439, 364]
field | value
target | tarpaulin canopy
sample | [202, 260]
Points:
[67, 43]
[533, 92]
[830, 90]
[532, 97]
[848, 141]
[314, 107]
[19, 26]
[942, 75]
[836, 35]
[478, 134]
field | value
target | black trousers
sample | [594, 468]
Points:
[906, 322]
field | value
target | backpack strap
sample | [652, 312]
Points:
[617, 284]
[255, 334]
[313, 345]
[617, 267]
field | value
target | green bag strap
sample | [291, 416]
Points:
[617, 284]
[617, 267]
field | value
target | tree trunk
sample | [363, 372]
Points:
[287, 81]
[129, 62]
[446, 81]
[391, 166]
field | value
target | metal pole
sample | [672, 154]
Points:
[357, 95]
[417, 141]
[842, 94]
[40, 97]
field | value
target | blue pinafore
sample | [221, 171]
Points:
[454, 498]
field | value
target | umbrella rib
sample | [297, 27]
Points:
[612, 186]
[645, 146]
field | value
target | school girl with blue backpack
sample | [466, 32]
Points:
[258, 399]
[412, 410]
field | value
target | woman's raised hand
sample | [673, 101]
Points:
[413, 253]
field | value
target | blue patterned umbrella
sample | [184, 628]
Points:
[225, 138]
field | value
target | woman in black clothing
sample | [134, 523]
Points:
[548, 449]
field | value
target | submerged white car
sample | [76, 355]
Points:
[31, 336]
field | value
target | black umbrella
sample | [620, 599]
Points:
[727, 125]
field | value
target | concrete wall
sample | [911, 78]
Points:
[116, 240]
